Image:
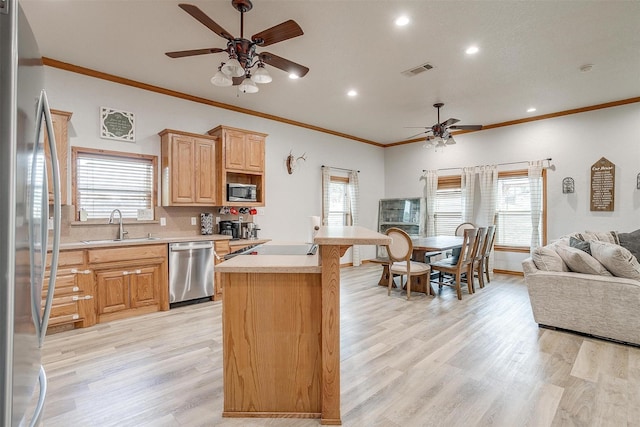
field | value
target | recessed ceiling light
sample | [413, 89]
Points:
[294, 76]
[402, 21]
[531, 110]
[471, 50]
[352, 93]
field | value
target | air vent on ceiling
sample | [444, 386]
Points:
[417, 70]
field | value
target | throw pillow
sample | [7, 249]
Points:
[547, 259]
[600, 236]
[581, 262]
[631, 241]
[618, 260]
[579, 244]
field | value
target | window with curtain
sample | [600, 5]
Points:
[448, 206]
[513, 209]
[339, 206]
[108, 180]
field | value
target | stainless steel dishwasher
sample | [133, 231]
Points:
[190, 271]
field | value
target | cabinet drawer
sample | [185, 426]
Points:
[67, 258]
[129, 253]
[64, 307]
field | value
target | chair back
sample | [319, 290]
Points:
[464, 226]
[401, 247]
[488, 241]
[478, 244]
[467, 247]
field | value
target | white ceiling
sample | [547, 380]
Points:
[530, 55]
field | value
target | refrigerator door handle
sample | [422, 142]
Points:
[45, 112]
[37, 416]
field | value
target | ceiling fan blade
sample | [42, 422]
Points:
[183, 53]
[284, 64]
[287, 30]
[449, 122]
[466, 127]
[205, 20]
[421, 133]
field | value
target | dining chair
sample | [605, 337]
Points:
[456, 267]
[464, 226]
[399, 251]
[476, 259]
[486, 253]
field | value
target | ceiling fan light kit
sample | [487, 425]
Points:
[440, 136]
[242, 52]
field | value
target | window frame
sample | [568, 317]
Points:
[348, 218]
[75, 151]
[543, 217]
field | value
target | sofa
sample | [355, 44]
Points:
[588, 283]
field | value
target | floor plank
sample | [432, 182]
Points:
[430, 361]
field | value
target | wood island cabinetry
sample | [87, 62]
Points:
[188, 169]
[240, 159]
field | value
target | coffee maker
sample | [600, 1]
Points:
[226, 228]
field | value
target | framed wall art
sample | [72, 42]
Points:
[117, 124]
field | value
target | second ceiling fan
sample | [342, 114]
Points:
[439, 133]
[237, 70]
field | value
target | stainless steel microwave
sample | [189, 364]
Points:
[241, 192]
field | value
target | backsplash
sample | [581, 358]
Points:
[178, 223]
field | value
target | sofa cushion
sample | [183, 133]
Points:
[618, 260]
[631, 241]
[579, 244]
[599, 236]
[547, 259]
[580, 261]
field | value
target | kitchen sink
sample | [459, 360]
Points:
[138, 239]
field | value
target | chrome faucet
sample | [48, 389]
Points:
[121, 231]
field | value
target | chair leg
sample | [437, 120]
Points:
[480, 277]
[408, 287]
[458, 290]
[470, 278]
[486, 269]
[389, 282]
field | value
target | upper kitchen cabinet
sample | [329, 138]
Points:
[60, 130]
[240, 160]
[188, 169]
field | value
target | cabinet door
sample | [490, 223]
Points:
[143, 286]
[234, 144]
[182, 173]
[113, 291]
[205, 161]
[60, 124]
[254, 153]
[222, 248]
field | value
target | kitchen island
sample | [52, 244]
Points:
[281, 329]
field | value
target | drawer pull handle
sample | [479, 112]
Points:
[75, 316]
[126, 273]
[138, 271]
[76, 289]
[76, 271]
[85, 297]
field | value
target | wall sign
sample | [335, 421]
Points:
[117, 124]
[603, 183]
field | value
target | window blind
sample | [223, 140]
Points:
[107, 182]
[448, 211]
[339, 211]
[513, 213]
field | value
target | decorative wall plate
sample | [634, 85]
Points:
[117, 124]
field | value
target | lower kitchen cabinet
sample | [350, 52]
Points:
[130, 280]
[73, 297]
[221, 248]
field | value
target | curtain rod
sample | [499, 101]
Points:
[342, 169]
[497, 164]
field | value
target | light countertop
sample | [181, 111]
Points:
[92, 244]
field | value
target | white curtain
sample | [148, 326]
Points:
[468, 182]
[326, 182]
[535, 186]
[354, 202]
[430, 189]
[488, 177]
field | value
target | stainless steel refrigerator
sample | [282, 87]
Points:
[24, 214]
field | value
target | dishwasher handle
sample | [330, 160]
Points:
[177, 247]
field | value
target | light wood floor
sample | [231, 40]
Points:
[431, 361]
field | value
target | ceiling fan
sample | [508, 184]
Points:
[242, 52]
[440, 135]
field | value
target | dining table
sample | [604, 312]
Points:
[422, 246]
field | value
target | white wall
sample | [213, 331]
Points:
[291, 199]
[574, 142]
